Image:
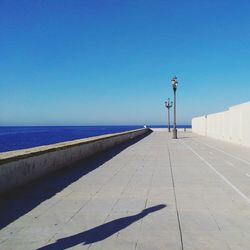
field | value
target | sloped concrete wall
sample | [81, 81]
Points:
[232, 125]
[22, 166]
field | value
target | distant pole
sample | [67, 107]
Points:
[174, 85]
[169, 105]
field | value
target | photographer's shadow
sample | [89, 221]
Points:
[101, 232]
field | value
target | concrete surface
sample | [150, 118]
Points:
[231, 125]
[158, 193]
[22, 166]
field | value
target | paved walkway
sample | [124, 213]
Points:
[158, 193]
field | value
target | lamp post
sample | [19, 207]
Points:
[168, 105]
[174, 85]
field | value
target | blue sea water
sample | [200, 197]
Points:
[20, 137]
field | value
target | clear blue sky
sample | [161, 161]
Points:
[70, 62]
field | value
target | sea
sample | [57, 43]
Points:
[22, 137]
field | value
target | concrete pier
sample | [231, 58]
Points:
[20, 167]
[153, 193]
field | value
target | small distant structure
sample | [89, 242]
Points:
[145, 126]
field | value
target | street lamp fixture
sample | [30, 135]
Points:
[168, 105]
[174, 85]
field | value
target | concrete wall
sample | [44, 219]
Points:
[22, 166]
[232, 125]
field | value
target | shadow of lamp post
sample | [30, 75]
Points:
[174, 85]
[169, 105]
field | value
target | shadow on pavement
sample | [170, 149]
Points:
[22, 200]
[101, 232]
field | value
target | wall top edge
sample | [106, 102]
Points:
[28, 152]
[245, 104]
[240, 105]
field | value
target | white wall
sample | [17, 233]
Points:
[232, 125]
[22, 166]
[199, 125]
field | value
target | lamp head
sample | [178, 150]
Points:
[174, 82]
[168, 104]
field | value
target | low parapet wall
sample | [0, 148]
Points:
[232, 125]
[22, 166]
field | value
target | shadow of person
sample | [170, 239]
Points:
[101, 232]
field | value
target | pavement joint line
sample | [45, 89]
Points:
[217, 224]
[218, 173]
[175, 198]
[230, 163]
[145, 205]
[54, 204]
[226, 153]
[136, 244]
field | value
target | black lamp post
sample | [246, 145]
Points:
[174, 85]
[168, 105]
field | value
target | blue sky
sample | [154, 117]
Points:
[70, 62]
